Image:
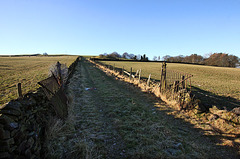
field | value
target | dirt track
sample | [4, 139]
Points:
[112, 119]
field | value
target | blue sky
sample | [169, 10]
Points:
[92, 27]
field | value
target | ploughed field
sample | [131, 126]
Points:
[25, 70]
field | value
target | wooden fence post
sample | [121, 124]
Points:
[148, 81]
[163, 76]
[183, 82]
[136, 73]
[139, 78]
[19, 88]
[122, 70]
[130, 76]
[190, 84]
[176, 86]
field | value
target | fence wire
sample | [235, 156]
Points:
[184, 79]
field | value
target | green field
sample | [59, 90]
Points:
[26, 70]
[221, 81]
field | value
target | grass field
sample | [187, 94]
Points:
[26, 70]
[221, 81]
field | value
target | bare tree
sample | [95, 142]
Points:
[166, 58]
[125, 55]
[114, 55]
[222, 59]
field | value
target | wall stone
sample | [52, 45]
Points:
[22, 125]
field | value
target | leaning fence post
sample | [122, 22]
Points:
[136, 73]
[148, 81]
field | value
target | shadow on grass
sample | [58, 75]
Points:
[187, 132]
[196, 135]
[209, 100]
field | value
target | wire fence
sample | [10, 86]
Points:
[174, 77]
[173, 85]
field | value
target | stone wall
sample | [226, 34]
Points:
[22, 125]
[23, 122]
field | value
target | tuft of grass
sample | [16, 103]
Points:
[25, 70]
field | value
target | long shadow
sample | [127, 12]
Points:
[185, 128]
[181, 125]
[208, 99]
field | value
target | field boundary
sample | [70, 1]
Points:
[181, 100]
[177, 92]
[23, 122]
[222, 123]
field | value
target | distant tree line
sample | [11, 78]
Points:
[125, 55]
[216, 59]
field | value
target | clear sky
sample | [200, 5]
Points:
[92, 27]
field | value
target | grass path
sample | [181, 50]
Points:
[116, 120]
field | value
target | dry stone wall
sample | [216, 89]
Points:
[23, 122]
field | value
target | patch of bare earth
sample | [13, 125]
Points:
[112, 119]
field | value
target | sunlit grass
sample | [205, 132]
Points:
[26, 70]
[218, 80]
